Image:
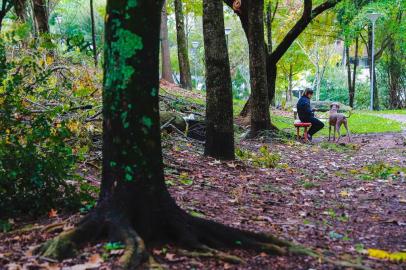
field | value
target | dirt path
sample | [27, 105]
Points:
[343, 199]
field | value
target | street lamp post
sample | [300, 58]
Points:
[373, 17]
[227, 31]
[195, 45]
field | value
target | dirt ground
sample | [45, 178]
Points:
[337, 199]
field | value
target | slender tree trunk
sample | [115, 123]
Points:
[290, 83]
[375, 90]
[349, 81]
[269, 26]
[260, 118]
[394, 70]
[20, 7]
[41, 16]
[354, 74]
[93, 34]
[165, 52]
[183, 55]
[318, 81]
[219, 108]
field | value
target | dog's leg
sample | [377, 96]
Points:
[334, 134]
[338, 131]
[329, 132]
[348, 131]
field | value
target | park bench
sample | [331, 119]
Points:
[299, 124]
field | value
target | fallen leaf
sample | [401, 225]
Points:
[53, 213]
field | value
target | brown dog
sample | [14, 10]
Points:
[336, 120]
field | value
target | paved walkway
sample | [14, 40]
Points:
[397, 117]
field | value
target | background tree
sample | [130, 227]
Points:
[352, 75]
[183, 54]
[219, 98]
[165, 52]
[260, 119]
[309, 13]
[94, 44]
[41, 16]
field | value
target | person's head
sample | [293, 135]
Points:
[308, 93]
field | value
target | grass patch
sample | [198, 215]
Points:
[338, 147]
[379, 170]
[308, 184]
[359, 123]
[263, 159]
[390, 112]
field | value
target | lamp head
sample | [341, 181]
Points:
[373, 16]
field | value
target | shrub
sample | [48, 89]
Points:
[39, 142]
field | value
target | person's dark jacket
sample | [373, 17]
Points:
[304, 109]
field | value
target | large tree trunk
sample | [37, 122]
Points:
[260, 119]
[41, 16]
[219, 100]
[165, 52]
[134, 204]
[183, 55]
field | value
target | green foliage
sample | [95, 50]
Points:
[381, 170]
[5, 225]
[263, 159]
[37, 162]
[113, 246]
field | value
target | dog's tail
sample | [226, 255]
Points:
[349, 114]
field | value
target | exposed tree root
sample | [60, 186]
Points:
[202, 236]
[212, 253]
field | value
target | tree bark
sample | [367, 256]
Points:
[20, 7]
[219, 99]
[183, 55]
[93, 34]
[397, 93]
[165, 52]
[352, 78]
[349, 81]
[41, 16]
[290, 83]
[369, 50]
[260, 118]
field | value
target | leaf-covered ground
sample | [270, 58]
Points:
[339, 199]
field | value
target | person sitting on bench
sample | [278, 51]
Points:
[306, 113]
